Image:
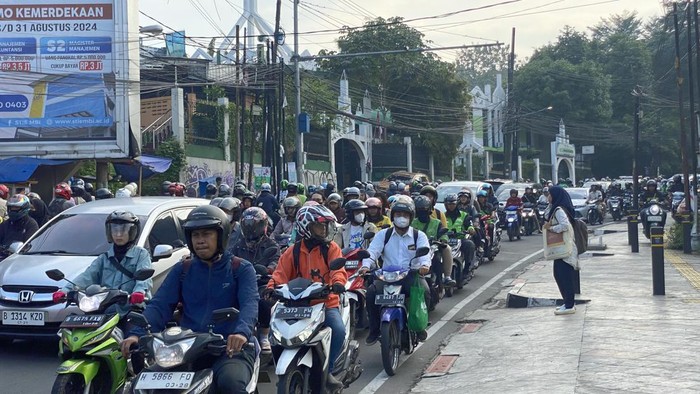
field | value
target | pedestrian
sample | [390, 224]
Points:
[560, 245]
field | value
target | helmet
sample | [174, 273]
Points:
[300, 188]
[293, 188]
[391, 199]
[62, 190]
[354, 205]
[33, 196]
[352, 191]
[224, 190]
[132, 188]
[312, 189]
[309, 215]
[403, 205]
[428, 190]
[334, 197]
[358, 184]
[291, 205]
[266, 187]
[485, 186]
[215, 201]
[330, 186]
[545, 190]
[374, 202]
[482, 193]
[392, 186]
[230, 206]
[253, 223]
[211, 189]
[123, 220]
[248, 195]
[165, 188]
[77, 184]
[18, 207]
[103, 193]
[208, 216]
[401, 186]
[176, 189]
[464, 193]
[5, 192]
[651, 182]
[283, 184]
[451, 198]
[123, 193]
[423, 204]
[89, 187]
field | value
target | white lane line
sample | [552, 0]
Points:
[382, 377]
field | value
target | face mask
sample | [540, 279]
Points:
[401, 222]
[360, 218]
[422, 216]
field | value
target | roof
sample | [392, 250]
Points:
[139, 206]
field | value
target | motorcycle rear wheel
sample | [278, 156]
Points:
[293, 382]
[70, 383]
[391, 347]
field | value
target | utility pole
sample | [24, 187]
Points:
[297, 84]
[511, 109]
[693, 125]
[277, 163]
[637, 92]
[696, 223]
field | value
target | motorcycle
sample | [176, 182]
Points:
[627, 204]
[615, 204]
[676, 199]
[541, 209]
[355, 288]
[528, 218]
[653, 215]
[302, 343]
[513, 222]
[593, 214]
[395, 335]
[436, 275]
[173, 353]
[493, 238]
[90, 343]
[460, 273]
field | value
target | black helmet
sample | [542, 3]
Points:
[292, 187]
[165, 188]
[254, 223]
[403, 206]
[651, 182]
[428, 190]
[354, 205]
[334, 197]
[248, 195]
[392, 186]
[239, 189]
[451, 198]
[122, 218]
[423, 203]
[211, 189]
[330, 186]
[103, 193]
[208, 216]
[224, 190]
[351, 191]
[89, 187]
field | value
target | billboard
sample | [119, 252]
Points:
[68, 78]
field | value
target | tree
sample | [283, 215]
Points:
[171, 149]
[480, 65]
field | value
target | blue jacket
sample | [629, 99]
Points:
[205, 289]
[267, 202]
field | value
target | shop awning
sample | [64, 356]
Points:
[151, 166]
[21, 169]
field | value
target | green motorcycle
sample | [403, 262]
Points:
[90, 343]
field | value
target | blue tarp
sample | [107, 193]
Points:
[151, 165]
[21, 169]
[203, 185]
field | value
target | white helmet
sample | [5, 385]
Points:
[123, 192]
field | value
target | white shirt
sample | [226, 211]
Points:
[399, 250]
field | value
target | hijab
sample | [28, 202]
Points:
[560, 199]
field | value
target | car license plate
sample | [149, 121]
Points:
[654, 218]
[83, 321]
[389, 299]
[294, 313]
[23, 318]
[164, 380]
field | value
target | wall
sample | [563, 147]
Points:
[199, 168]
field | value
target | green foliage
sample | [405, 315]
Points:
[674, 237]
[171, 149]
[480, 65]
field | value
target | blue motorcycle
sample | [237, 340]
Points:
[512, 222]
[395, 335]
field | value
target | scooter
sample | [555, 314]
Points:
[513, 222]
[355, 288]
[173, 354]
[652, 215]
[528, 218]
[459, 272]
[90, 343]
[301, 343]
[593, 214]
[493, 235]
[541, 209]
[676, 199]
[395, 335]
[436, 275]
[615, 204]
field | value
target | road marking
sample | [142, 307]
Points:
[687, 270]
[382, 377]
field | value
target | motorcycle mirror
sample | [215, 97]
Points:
[423, 251]
[337, 264]
[56, 275]
[442, 232]
[368, 235]
[144, 274]
[260, 269]
[362, 254]
[137, 319]
[224, 314]
[269, 252]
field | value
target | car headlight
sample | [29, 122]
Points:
[91, 303]
[654, 210]
[168, 356]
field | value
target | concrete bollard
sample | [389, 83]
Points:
[657, 260]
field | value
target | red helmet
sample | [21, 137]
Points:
[4, 192]
[177, 189]
[62, 190]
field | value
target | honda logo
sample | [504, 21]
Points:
[25, 296]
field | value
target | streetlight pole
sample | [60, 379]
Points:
[297, 84]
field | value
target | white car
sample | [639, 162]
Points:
[446, 188]
[579, 195]
[70, 242]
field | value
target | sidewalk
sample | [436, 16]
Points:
[623, 340]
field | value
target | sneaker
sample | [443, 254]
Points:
[422, 335]
[371, 339]
[449, 281]
[265, 347]
[332, 384]
[562, 310]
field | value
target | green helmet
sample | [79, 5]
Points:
[300, 188]
[283, 184]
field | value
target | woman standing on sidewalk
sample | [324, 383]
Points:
[558, 221]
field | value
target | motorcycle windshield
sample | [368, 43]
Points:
[394, 268]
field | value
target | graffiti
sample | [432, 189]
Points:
[319, 177]
[195, 173]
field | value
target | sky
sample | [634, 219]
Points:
[537, 22]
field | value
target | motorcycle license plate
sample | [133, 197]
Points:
[294, 313]
[351, 265]
[654, 218]
[453, 242]
[23, 318]
[164, 380]
[83, 321]
[389, 299]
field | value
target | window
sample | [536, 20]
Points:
[164, 232]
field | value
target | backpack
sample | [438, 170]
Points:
[580, 235]
[296, 251]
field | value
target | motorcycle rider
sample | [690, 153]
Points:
[330, 189]
[253, 242]
[515, 201]
[530, 197]
[231, 206]
[239, 190]
[282, 193]
[596, 196]
[464, 200]
[113, 268]
[461, 222]
[285, 227]
[292, 191]
[62, 199]
[677, 185]
[267, 201]
[333, 202]
[210, 280]
[652, 194]
[39, 211]
[351, 234]
[398, 251]
[19, 226]
[301, 191]
[247, 200]
[78, 190]
[103, 193]
[375, 210]
[490, 196]
[223, 190]
[486, 209]
[314, 250]
[431, 227]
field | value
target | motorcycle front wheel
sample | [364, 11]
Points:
[391, 347]
[294, 382]
[70, 383]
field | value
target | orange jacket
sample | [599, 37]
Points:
[307, 261]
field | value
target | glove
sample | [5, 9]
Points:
[136, 298]
[337, 288]
[267, 293]
[58, 297]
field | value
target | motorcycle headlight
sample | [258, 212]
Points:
[392, 276]
[168, 356]
[90, 303]
[654, 210]
[307, 332]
